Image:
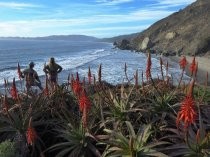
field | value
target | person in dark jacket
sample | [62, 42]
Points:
[52, 69]
[31, 77]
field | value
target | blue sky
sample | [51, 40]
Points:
[99, 18]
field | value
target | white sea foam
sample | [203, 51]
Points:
[112, 61]
[67, 62]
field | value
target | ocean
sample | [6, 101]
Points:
[74, 57]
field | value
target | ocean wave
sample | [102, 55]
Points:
[70, 62]
[8, 68]
[67, 62]
[97, 51]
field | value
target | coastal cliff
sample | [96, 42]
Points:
[184, 32]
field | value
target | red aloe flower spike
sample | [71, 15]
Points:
[84, 117]
[77, 88]
[6, 108]
[46, 90]
[31, 134]
[19, 71]
[84, 105]
[89, 75]
[193, 66]
[187, 112]
[99, 74]
[183, 63]
[191, 87]
[13, 90]
[148, 69]
[84, 101]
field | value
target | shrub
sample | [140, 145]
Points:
[7, 149]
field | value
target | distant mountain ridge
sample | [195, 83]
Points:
[58, 37]
[184, 32]
[121, 37]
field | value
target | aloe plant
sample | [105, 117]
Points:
[76, 142]
[193, 142]
[134, 145]
[8, 149]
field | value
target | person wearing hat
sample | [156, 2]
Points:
[52, 69]
[31, 77]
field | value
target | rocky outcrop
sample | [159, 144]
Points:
[170, 35]
[123, 45]
[145, 44]
[184, 32]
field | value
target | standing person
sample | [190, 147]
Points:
[52, 69]
[31, 77]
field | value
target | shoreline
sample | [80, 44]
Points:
[203, 67]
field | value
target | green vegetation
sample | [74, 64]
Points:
[94, 119]
[7, 149]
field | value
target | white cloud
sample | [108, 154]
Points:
[89, 25]
[171, 3]
[15, 5]
[113, 2]
[35, 28]
[96, 24]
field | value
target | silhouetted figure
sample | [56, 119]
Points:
[31, 77]
[52, 69]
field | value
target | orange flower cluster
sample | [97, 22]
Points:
[13, 90]
[183, 62]
[76, 85]
[193, 67]
[84, 106]
[84, 101]
[187, 112]
[148, 69]
[31, 134]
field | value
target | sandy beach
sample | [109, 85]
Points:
[203, 67]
